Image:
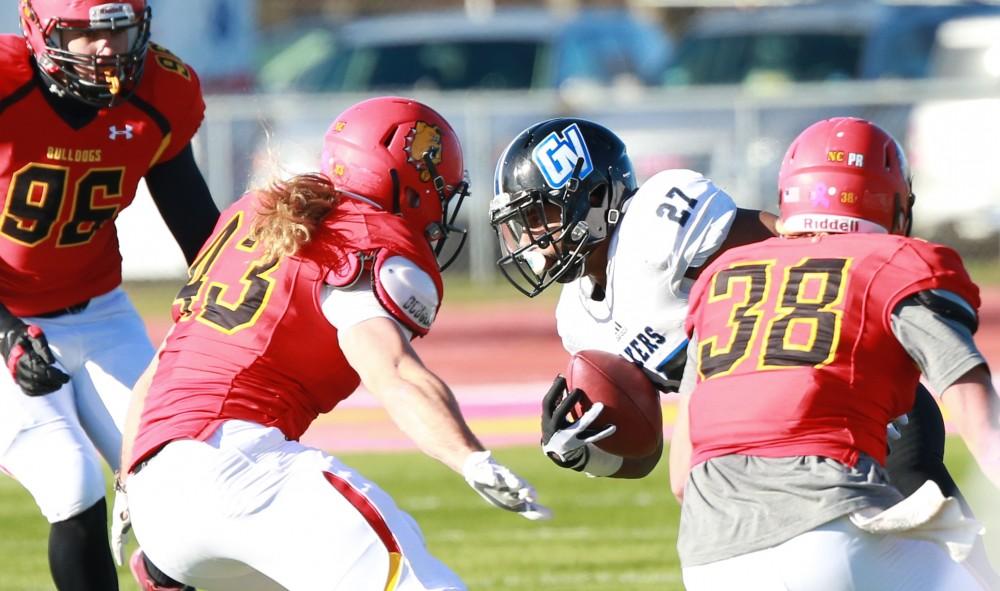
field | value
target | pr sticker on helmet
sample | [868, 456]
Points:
[557, 155]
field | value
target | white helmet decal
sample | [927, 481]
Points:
[556, 156]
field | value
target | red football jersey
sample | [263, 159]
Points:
[62, 187]
[796, 354]
[250, 340]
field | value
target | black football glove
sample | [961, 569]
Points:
[29, 359]
[565, 442]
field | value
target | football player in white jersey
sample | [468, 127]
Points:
[567, 209]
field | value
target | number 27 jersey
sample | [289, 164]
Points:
[795, 350]
[676, 220]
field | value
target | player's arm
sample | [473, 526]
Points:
[420, 404]
[936, 329]
[974, 408]
[136, 404]
[376, 344]
[184, 201]
[680, 441]
[425, 410]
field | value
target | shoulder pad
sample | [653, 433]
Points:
[406, 291]
[173, 90]
[16, 68]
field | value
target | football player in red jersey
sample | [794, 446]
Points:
[88, 107]
[304, 291]
[803, 347]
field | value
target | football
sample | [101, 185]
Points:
[631, 402]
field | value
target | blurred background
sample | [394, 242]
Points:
[714, 85]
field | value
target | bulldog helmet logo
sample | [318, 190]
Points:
[423, 139]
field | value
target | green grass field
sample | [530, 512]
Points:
[611, 534]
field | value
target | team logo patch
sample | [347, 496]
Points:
[114, 133]
[423, 139]
[556, 156]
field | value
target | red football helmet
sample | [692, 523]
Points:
[845, 175]
[403, 156]
[96, 80]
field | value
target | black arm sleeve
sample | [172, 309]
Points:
[182, 197]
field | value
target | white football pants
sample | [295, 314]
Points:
[50, 443]
[248, 510]
[836, 556]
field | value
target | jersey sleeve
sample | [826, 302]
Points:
[919, 265]
[676, 221]
[348, 306]
[176, 93]
[943, 349]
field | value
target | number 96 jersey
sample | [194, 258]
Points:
[676, 220]
[67, 170]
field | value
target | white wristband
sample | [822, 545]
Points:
[602, 463]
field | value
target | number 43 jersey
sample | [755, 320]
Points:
[795, 350]
[250, 341]
[676, 220]
[66, 171]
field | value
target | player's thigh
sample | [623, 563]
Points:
[754, 571]
[344, 532]
[187, 519]
[837, 555]
[49, 453]
[116, 350]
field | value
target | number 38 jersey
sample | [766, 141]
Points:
[676, 220]
[64, 176]
[795, 351]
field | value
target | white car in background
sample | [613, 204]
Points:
[954, 145]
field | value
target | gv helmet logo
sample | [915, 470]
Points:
[556, 156]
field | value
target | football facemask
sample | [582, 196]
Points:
[541, 242]
[98, 80]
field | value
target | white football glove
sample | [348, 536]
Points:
[121, 525]
[571, 444]
[501, 487]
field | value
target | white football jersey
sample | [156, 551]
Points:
[676, 220]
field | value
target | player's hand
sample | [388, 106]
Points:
[121, 525]
[567, 442]
[501, 487]
[30, 361]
